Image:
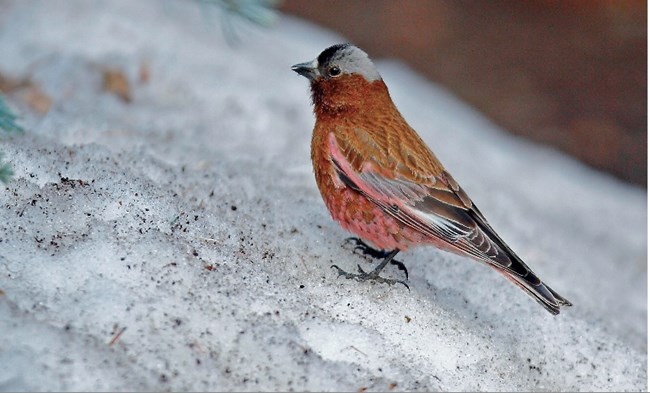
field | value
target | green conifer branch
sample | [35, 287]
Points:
[7, 124]
[258, 12]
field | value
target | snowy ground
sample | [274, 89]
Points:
[190, 218]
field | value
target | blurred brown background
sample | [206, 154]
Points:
[572, 74]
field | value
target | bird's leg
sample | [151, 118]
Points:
[366, 249]
[376, 254]
[374, 274]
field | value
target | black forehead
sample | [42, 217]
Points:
[329, 53]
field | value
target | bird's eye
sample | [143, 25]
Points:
[334, 71]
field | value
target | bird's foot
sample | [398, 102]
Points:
[372, 275]
[374, 253]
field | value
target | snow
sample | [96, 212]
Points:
[189, 220]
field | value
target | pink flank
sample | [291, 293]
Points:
[357, 214]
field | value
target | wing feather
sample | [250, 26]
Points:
[440, 208]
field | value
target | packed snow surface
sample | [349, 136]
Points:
[177, 241]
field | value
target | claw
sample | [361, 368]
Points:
[401, 267]
[340, 271]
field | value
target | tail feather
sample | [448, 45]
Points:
[544, 295]
[561, 300]
[517, 271]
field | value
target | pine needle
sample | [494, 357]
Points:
[257, 12]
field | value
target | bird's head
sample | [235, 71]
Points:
[336, 62]
[341, 77]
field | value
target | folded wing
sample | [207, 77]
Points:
[441, 209]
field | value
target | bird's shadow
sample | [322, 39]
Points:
[468, 311]
[451, 300]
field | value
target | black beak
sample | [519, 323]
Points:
[308, 69]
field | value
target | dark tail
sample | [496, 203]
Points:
[533, 286]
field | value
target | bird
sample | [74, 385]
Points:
[381, 182]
